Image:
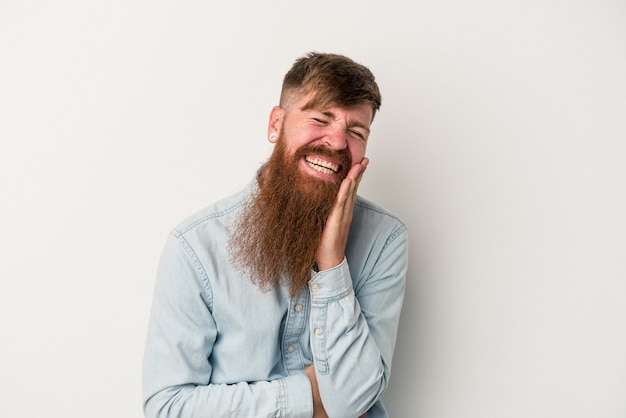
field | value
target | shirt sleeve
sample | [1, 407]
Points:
[181, 335]
[353, 334]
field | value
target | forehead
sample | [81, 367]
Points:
[360, 112]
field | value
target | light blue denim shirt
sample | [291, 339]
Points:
[218, 346]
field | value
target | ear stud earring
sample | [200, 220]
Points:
[273, 137]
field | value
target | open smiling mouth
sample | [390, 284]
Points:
[322, 166]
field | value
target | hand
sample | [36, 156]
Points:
[318, 407]
[335, 236]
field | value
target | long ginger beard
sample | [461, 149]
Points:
[281, 227]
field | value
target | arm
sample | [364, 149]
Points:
[353, 334]
[177, 368]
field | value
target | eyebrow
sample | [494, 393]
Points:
[357, 124]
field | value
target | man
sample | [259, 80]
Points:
[284, 299]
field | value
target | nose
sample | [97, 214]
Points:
[336, 137]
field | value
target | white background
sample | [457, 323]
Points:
[501, 142]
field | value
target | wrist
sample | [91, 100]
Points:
[327, 264]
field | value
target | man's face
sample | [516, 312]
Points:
[298, 187]
[325, 143]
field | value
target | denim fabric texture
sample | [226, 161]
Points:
[219, 346]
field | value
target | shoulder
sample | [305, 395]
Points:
[375, 227]
[377, 244]
[220, 212]
[367, 213]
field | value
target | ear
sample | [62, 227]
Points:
[275, 124]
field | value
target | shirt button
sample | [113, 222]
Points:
[318, 331]
[291, 348]
[299, 308]
[315, 287]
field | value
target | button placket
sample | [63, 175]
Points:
[318, 323]
[295, 326]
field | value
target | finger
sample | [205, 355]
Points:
[355, 175]
[357, 169]
[345, 190]
[348, 188]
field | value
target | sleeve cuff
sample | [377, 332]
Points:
[296, 397]
[331, 283]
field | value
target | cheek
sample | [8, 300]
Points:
[296, 139]
[290, 146]
[357, 152]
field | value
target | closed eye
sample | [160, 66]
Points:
[356, 134]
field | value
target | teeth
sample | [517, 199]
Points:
[322, 166]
